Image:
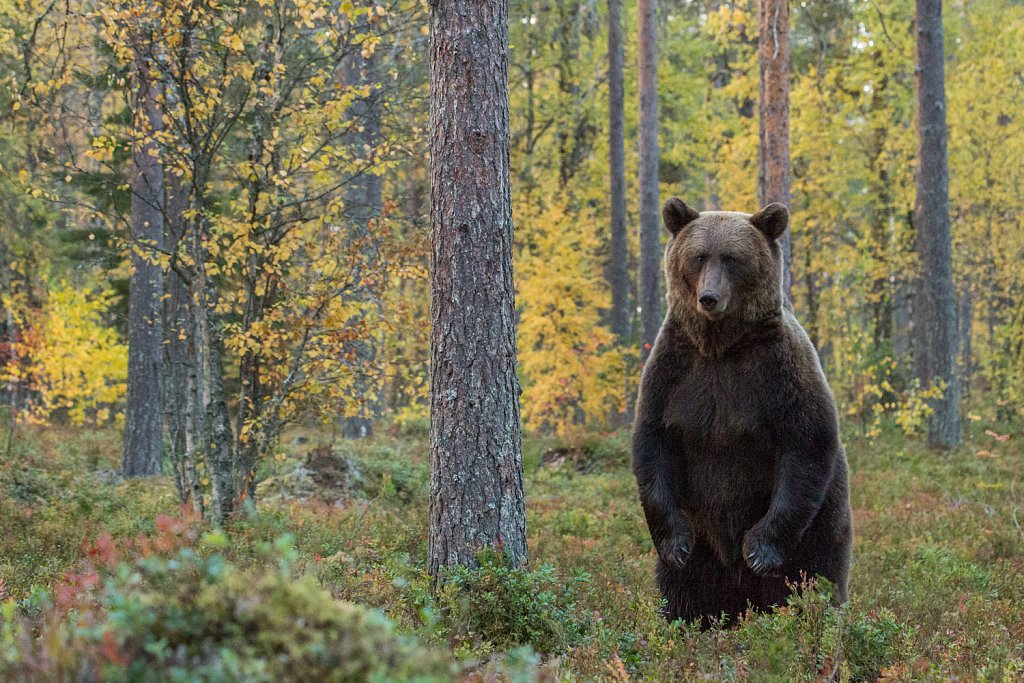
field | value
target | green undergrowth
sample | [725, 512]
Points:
[112, 579]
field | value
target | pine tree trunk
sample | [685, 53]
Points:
[143, 427]
[773, 157]
[618, 272]
[935, 307]
[650, 220]
[476, 471]
[363, 201]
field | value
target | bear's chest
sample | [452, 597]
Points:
[723, 410]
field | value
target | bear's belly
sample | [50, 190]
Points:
[724, 456]
[727, 490]
[721, 433]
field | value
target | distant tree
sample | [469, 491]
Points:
[935, 306]
[363, 205]
[476, 471]
[617, 269]
[143, 425]
[773, 157]
[650, 217]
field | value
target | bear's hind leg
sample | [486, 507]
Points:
[703, 590]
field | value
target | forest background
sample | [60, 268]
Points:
[262, 167]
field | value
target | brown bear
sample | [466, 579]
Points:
[736, 450]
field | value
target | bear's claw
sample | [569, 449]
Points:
[761, 556]
[675, 550]
[677, 557]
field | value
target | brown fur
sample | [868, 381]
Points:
[736, 445]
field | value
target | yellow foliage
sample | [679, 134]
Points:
[572, 370]
[69, 362]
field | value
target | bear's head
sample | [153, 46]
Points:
[722, 265]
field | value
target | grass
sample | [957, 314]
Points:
[937, 588]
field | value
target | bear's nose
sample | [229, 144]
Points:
[709, 300]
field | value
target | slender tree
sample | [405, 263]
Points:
[618, 274]
[773, 157]
[650, 222]
[935, 307]
[476, 471]
[176, 346]
[143, 427]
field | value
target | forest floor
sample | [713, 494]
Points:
[100, 574]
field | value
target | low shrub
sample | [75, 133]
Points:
[195, 618]
[498, 606]
[873, 643]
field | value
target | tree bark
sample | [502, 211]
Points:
[617, 272]
[143, 427]
[476, 471]
[967, 343]
[363, 202]
[773, 129]
[936, 302]
[176, 347]
[650, 233]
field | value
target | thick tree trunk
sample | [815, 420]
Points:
[650, 221]
[143, 427]
[618, 271]
[773, 157]
[935, 307]
[476, 470]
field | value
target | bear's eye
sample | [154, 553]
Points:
[728, 260]
[701, 258]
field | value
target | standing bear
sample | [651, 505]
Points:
[736, 447]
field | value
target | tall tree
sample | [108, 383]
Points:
[773, 130]
[617, 269]
[935, 307]
[650, 233]
[363, 198]
[143, 427]
[476, 469]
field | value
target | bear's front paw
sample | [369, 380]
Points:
[760, 554]
[675, 550]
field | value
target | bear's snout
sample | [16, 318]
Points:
[713, 291]
[709, 299]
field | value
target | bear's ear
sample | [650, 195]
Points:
[772, 220]
[677, 215]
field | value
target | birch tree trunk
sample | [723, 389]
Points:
[476, 472]
[143, 427]
[176, 347]
[935, 307]
[773, 157]
[650, 215]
